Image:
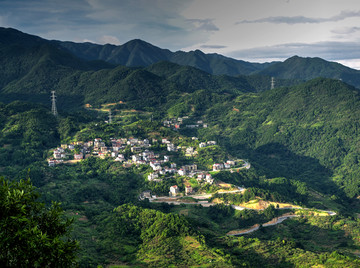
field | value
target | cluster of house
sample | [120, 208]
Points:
[205, 144]
[80, 150]
[174, 190]
[226, 165]
[189, 151]
[186, 170]
[177, 123]
[141, 155]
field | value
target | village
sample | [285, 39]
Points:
[134, 151]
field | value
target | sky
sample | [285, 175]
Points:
[250, 30]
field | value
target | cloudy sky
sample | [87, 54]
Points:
[251, 30]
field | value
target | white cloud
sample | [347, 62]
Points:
[302, 19]
[335, 51]
[108, 39]
[212, 46]
[353, 63]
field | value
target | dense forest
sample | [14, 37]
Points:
[301, 139]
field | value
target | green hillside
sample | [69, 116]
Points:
[40, 68]
[311, 128]
[154, 235]
[309, 68]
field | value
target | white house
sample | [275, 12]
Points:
[217, 167]
[227, 165]
[171, 147]
[211, 143]
[155, 165]
[135, 158]
[200, 176]
[57, 154]
[209, 179]
[153, 176]
[202, 144]
[174, 190]
[181, 172]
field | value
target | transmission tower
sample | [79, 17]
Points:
[272, 82]
[53, 102]
[110, 116]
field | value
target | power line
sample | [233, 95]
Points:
[53, 104]
[272, 82]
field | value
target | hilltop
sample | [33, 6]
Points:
[310, 68]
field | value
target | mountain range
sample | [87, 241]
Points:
[138, 53]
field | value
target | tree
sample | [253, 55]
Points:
[32, 235]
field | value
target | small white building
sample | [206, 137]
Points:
[57, 155]
[174, 190]
[211, 143]
[202, 144]
[200, 176]
[181, 172]
[171, 147]
[155, 166]
[218, 166]
[136, 158]
[209, 179]
[153, 176]
[227, 165]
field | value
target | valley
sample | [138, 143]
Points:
[194, 167]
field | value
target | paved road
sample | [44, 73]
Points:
[257, 226]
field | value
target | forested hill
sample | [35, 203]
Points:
[309, 68]
[31, 67]
[138, 53]
[309, 131]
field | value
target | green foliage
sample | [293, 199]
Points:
[309, 68]
[26, 131]
[310, 128]
[158, 239]
[30, 234]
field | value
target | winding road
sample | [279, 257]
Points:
[205, 203]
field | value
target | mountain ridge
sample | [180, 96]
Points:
[139, 53]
